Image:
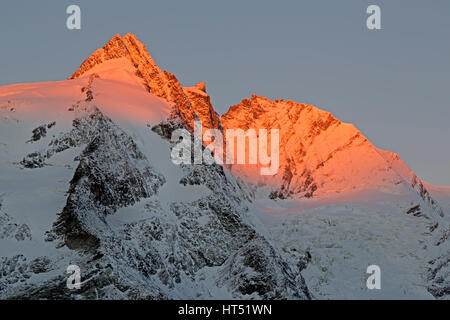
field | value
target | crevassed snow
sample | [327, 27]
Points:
[346, 234]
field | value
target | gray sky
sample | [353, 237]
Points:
[393, 84]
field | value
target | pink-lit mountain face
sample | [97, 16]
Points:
[127, 53]
[318, 153]
[85, 166]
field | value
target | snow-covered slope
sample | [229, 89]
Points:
[321, 157]
[344, 234]
[86, 179]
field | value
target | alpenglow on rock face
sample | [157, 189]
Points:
[318, 153]
[160, 83]
[86, 178]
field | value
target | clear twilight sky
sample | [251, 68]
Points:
[393, 84]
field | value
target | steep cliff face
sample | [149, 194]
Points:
[439, 271]
[201, 103]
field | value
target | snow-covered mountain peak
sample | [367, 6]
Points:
[126, 59]
[86, 177]
[114, 49]
[318, 153]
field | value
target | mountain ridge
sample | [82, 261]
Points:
[93, 183]
[160, 83]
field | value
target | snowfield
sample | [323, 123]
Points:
[347, 233]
